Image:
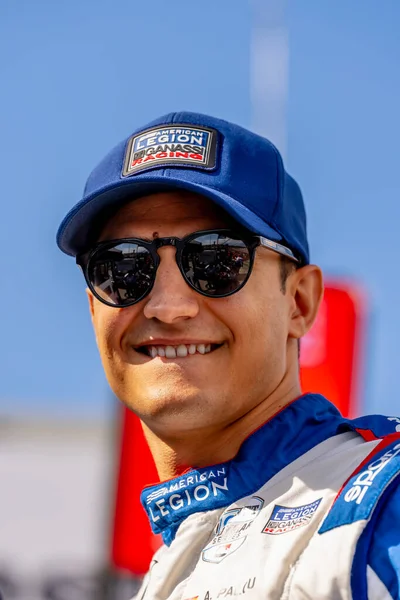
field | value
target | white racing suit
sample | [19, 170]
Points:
[308, 509]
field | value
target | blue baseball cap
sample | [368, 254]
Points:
[240, 171]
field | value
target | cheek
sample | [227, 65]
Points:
[109, 325]
[257, 318]
[263, 353]
[262, 333]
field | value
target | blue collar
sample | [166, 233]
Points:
[300, 426]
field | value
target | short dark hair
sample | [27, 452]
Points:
[286, 268]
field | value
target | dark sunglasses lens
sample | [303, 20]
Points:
[216, 264]
[121, 274]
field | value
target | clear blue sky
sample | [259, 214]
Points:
[78, 76]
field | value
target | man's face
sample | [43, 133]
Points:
[248, 331]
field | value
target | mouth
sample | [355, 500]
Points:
[179, 351]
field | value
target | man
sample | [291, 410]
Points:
[192, 239]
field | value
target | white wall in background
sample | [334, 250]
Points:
[56, 485]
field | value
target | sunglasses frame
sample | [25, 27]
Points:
[250, 241]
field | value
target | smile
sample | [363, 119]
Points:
[180, 351]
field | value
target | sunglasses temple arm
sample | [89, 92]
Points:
[279, 248]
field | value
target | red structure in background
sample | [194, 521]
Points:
[331, 357]
[332, 352]
[133, 543]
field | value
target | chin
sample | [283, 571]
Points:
[159, 404]
[170, 413]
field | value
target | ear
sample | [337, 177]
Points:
[306, 288]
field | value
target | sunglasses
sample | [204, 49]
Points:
[215, 263]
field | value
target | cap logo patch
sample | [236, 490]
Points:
[180, 145]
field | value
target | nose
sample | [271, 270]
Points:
[171, 299]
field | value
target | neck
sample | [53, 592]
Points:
[209, 447]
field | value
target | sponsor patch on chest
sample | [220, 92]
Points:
[179, 146]
[284, 518]
[232, 530]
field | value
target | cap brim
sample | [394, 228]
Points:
[74, 232]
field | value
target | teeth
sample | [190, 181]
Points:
[170, 352]
[180, 351]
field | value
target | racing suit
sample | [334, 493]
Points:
[309, 508]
